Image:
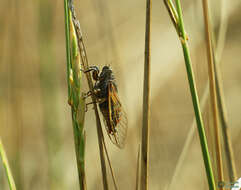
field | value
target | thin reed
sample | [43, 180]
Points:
[224, 126]
[212, 86]
[4, 158]
[183, 39]
[146, 101]
[85, 65]
[228, 148]
[217, 52]
[75, 97]
[82, 55]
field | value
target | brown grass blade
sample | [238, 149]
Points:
[212, 85]
[146, 102]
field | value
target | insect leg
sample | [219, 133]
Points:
[86, 105]
[86, 95]
[91, 68]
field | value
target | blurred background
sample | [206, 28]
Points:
[35, 119]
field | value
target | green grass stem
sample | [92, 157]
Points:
[85, 64]
[195, 100]
[223, 115]
[75, 97]
[67, 39]
[183, 38]
[3, 155]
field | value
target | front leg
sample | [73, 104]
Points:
[86, 105]
[86, 95]
[95, 92]
[95, 72]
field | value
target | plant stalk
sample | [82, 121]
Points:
[85, 65]
[75, 97]
[212, 86]
[3, 155]
[146, 102]
[195, 99]
[224, 123]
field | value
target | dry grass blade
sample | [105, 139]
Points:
[138, 168]
[224, 125]
[212, 85]
[146, 103]
[109, 163]
[220, 97]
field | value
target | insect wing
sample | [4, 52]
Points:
[117, 117]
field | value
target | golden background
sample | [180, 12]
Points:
[35, 119]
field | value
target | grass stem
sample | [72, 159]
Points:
[221, 106]
[138, 169]
[225, 130]
[146, 102]
[220, 95]
[85, 65]
[75, 97]
[212, 86]
[3, 155]
[195, 100]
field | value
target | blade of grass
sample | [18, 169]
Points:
[67, 39]
[172, 13]
[220, 97]
[75, 97]
[195, 100]
[212, 85]
[138, 168]
[3, 155]
[220, 46]
[78, 108]
[192, 85]
[109, 163]
[224, 126]
[146, 102]
[101, 142]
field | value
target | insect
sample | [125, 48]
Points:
[106, 93]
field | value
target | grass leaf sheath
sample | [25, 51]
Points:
[84, 60]
[75, 97]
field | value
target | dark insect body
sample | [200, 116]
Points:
[106, 93]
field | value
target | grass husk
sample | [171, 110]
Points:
[6, 166]
[146, 102]
[75, 98]
[183, 39]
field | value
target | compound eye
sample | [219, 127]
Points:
[95, 75]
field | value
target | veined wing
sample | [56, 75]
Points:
[118, 123]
